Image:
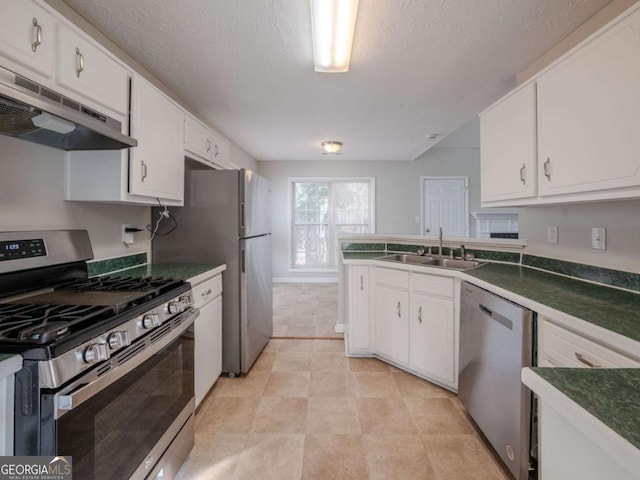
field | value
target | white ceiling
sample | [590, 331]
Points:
[418, 66]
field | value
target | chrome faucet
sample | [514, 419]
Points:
[462, 252]
[440, 241]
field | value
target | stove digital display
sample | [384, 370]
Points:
[16, 249]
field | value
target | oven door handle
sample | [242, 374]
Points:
[77, 396]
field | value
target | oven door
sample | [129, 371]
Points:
[118, 425]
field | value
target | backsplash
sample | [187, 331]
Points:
[100, 267]
[605, 276]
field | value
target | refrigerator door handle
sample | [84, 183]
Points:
[242, 260]
[242, 224]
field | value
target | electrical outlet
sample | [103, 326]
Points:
[127, 238]
[599, 238]
[417, 220]
[552, 234]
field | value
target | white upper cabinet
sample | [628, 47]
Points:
[204, 145]
[508, 147]
[157, 163]
[83, 68]
[589, 115]
[582, 115]
[27, 38]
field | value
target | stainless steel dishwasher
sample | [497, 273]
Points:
[496, 341]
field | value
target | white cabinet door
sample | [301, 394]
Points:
[197, 139]
[508, 147]
[392, 323]
[157, 163]
[432, 340]
[27, 37]
[220, 151]
[85, 69]
[208, 351]
[360, 331]
[589, 115]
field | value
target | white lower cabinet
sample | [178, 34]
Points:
[359, 333]
[559, 347]
[207, 328]
[392, 323]
[405, 318]
[432, 337]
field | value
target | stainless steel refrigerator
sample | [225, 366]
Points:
[226, 219]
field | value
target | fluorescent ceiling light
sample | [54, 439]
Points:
[55, 124]
[333, 23]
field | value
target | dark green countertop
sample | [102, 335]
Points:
[182, 271]
[612, 395]
[613, 309]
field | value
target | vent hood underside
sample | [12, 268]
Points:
[21, 100]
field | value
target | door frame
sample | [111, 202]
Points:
[466, 200]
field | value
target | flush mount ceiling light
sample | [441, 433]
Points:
[331, 147]
[333, 23]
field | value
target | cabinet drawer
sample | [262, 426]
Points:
[432, 284]
[562, 348]
[206, 291]
[393, 278]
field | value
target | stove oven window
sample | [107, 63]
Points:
[111, 434]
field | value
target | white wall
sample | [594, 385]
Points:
[620, 218]
[397, 192]
[32, 197]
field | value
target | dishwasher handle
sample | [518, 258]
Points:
[504, 321]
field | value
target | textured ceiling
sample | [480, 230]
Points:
[418, 66]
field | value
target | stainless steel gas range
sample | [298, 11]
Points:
[107, 373]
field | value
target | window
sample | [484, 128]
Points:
[322, 208]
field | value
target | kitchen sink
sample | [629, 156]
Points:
[432, 261]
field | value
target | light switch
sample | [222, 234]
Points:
[552, 234]
[599, 238]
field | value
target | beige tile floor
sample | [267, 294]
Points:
[305, 310]
[305, 411]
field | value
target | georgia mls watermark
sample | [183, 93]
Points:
[35, 468]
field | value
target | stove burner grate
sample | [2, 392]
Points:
[128, 284]
[42, 324]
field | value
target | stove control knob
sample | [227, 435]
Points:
[151, 320]
[186, 299]
[96, 352]
[177, 306]
[118, 340]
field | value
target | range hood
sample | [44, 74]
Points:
[35, 113]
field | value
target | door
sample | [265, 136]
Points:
[432, 347]
[255, 214]
[392, 325]
[445, 204]
[157, 163]
[208, 355]
[508, 147]
[359, 311]
[588, 115]
[256, 302]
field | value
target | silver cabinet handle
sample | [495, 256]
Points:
[547, 169]
[34, 45]
[217, 150]
[586, 361]
[420, 314]
[523, 172]
[208, 292]
[399, 313]
[208, 145]
[80, 62]
[361, 283]
[143, 170]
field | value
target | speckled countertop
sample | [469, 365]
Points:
[182, 271]
[613, 309]
[610, 395]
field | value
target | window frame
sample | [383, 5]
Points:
[291, 212]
